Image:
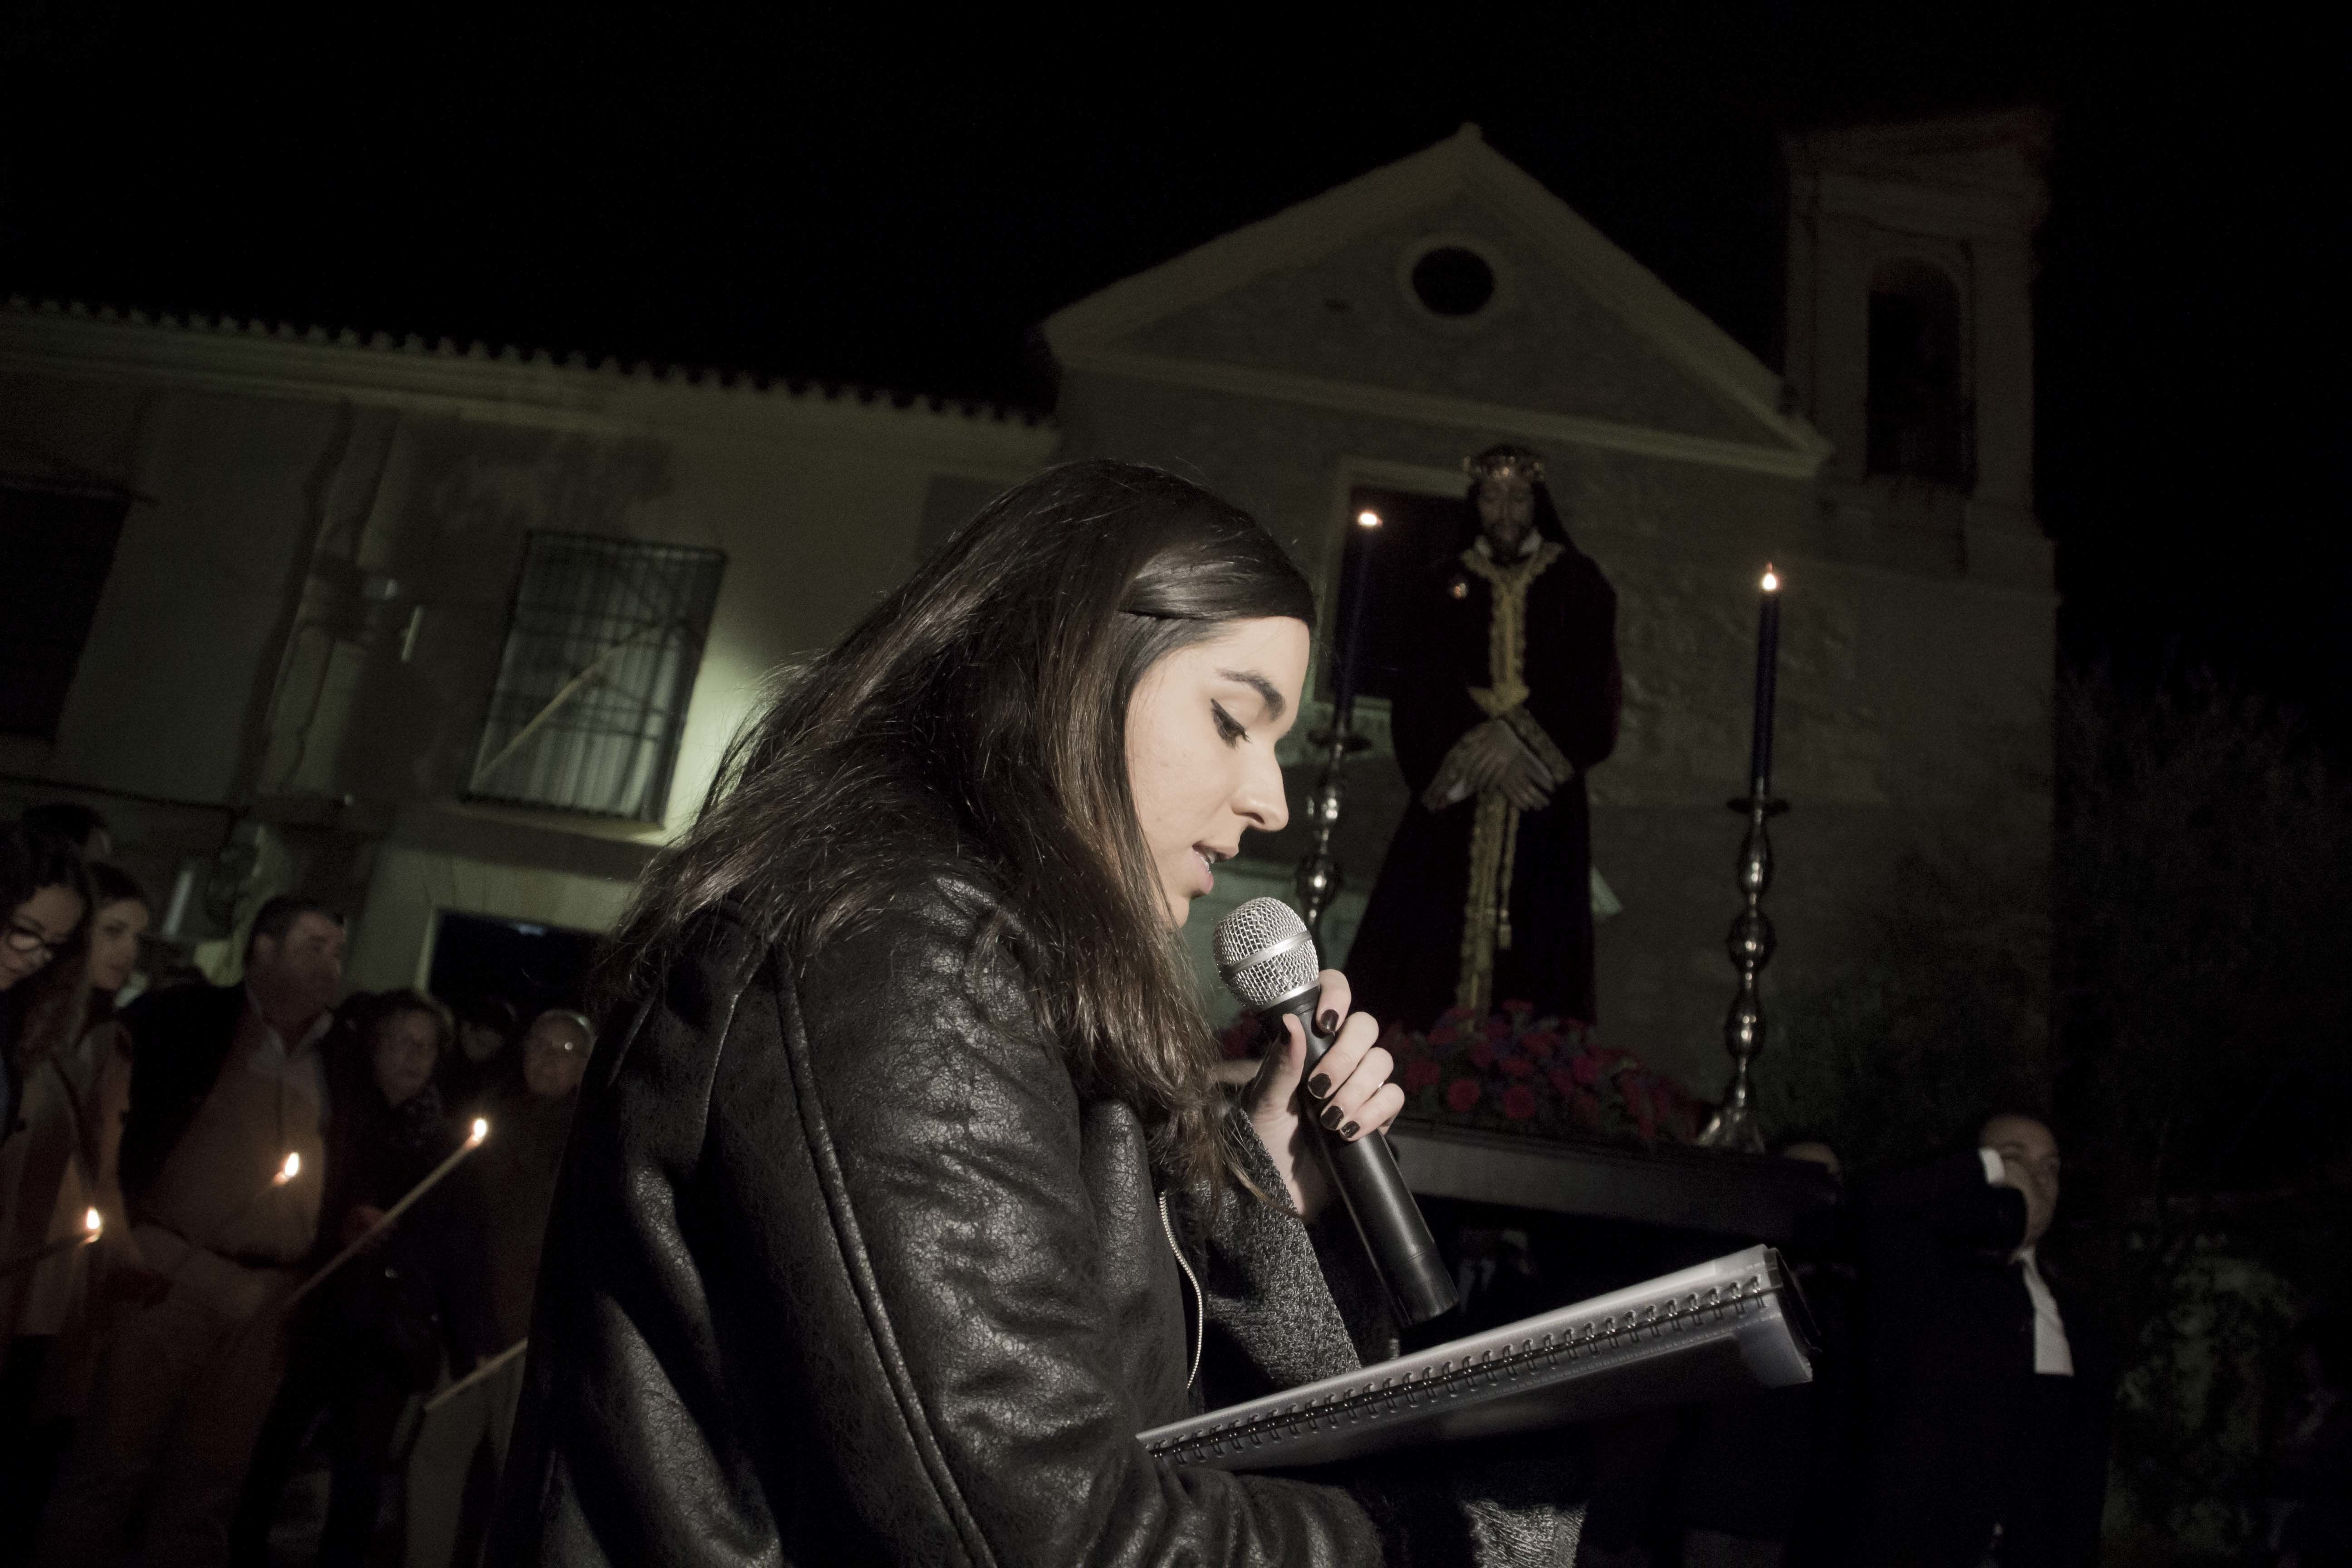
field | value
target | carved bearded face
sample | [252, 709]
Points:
[1507, 512]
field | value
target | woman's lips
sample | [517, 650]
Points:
[1208, 871]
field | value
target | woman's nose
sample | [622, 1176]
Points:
[1260, 800]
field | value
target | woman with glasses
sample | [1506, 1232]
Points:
[75, 1066]
[43, 893]
[43, 896]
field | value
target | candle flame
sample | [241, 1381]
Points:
[1772, 579]
[289, 1170]
[1368, 518]
[93, 1222]
[482, 1131]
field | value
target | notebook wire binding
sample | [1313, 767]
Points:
[1738, 1322]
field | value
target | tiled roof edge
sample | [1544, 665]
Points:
[612, 367]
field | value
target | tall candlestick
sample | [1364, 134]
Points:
[1767, 668]
[1750, 941]
[1318, 878]
[1354, 591]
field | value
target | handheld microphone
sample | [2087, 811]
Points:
[1267, 958]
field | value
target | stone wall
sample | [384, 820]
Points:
[307, 607]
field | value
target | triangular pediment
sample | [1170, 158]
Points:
[1316, 304]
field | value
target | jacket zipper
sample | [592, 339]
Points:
[1200, 1301]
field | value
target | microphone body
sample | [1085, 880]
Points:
[1365, 1172]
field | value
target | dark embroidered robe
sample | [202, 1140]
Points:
[1533, 643]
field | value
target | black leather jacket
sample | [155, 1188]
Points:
[846, 1270]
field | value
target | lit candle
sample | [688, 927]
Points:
[482, 1130]
[91, 1224]
[1767, 663]
[1355, 589]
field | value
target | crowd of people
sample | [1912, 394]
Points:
[245, 1224]
[198, 1285]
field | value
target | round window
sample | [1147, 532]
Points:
[1451, 280]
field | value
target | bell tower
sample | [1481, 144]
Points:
[1910, 333]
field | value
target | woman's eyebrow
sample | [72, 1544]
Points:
[1274, 705]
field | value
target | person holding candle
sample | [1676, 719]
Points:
[485, 1064]
[227, 1082]
[59, 1167]
[1484, 894]
[517, 1170]
[374, 1332]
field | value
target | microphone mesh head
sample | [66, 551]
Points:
[1265, 953]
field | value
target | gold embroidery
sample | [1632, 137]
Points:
[1497, 822]
[1494, 832]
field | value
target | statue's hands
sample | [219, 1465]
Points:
[1487, 756]
[1463, 772]
[1525, 782]
[1490, 757]
[1350, 1093]
[1501, 763]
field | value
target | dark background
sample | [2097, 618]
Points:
[870, 197]
[535, 967]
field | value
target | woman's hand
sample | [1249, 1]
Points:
[1350, 1093]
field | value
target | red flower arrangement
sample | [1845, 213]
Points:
[1547, 1077]
[1517, 1073]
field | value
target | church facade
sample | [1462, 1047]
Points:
[1369, 340]
[362, 706]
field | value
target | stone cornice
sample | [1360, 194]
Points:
[1449, 413]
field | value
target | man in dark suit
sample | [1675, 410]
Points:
[1988, 1403]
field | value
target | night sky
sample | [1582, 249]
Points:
[864, 196]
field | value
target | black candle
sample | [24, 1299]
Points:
[1767, 663]
[1354, 589]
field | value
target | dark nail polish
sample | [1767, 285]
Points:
[1330, 1117]
[1328, 1023]
[1320, 1085]
[1348, 1130]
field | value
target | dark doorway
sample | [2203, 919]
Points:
[1417, 534]
[535, 967]
[59, 546]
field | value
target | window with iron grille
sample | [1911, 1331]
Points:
[600, 660]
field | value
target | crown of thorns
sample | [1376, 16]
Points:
[1503, 463]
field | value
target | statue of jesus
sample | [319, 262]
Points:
[1485, 896]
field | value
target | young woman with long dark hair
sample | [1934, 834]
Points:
[900, 1196]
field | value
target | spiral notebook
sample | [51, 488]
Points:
[1736, 1323]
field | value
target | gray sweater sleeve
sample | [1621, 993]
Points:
[1289, 1302]
[1273, 1318]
